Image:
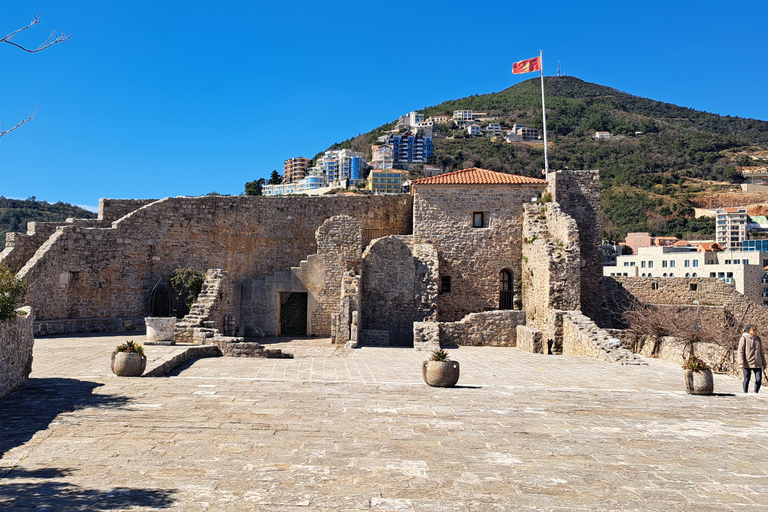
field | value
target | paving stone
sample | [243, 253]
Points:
[339, 430]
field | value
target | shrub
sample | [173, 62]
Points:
[186, 284]
[12, 290]
[439, 355]
[131, 347]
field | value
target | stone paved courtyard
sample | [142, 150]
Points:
[343, 430]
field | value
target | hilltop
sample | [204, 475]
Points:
[15, 213]
[665, 155]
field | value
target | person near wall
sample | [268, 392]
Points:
[751, 356]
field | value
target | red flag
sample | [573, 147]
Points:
[527, 66]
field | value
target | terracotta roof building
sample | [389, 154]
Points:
[477, 176]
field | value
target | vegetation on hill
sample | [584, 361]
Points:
[666, 155]
[15, 213]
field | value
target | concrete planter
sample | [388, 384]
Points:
[128, 364]
[699, 382]
[160, 329]
[442, 374]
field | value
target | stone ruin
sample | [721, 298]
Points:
[406, 270]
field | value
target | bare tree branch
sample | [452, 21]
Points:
[52, 38]
[31, 117]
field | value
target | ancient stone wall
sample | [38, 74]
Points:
[551, 263]
[112, 209]
[107, 272]
[486, 329]
[21, 247]
[578, 193]
[582, 337]
[472, 258]
[16, 342]
[621, 292]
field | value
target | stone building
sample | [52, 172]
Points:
[466, 259]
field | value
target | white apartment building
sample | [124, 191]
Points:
[493, 129]
[731, 227]
[382, 156]
[474, 129]
[744, 270]
[312, 184]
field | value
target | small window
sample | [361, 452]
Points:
[695, 263]
[694, 287]
[695, 275]
[650, 264]
[478, 220]
[445, 284]
[654, 286]
[672, 264]
[664, 264]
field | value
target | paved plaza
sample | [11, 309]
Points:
[336, 429]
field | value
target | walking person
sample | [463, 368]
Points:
[751, 356]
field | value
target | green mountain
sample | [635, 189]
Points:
[15, 213]
[665, 155]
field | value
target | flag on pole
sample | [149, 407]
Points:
[527, 66]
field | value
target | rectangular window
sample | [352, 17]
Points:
[727, 262]
[654, 286]
[642, 264]
[650, 264]
[694, 287]
[672, 264]
[729, 274]
[695, 263]
[737, 262]
[687, 263]
[712, 274]
[626, 263]
[445, 284]
[664, 263]
[478, 220]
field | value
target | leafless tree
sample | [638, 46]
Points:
[55, 37]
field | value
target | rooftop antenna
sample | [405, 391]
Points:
[558, 68]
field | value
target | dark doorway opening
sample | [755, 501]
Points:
[506, 293]
[293, 314]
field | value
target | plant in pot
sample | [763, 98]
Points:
[440, 371]
[128, 360]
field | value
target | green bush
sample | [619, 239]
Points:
[186, 284]
[12, 290]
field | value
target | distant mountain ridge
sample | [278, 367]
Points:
[665, 154]
[15, 213]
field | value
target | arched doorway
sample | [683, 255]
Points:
[506, 292]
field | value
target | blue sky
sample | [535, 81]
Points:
[152, 99]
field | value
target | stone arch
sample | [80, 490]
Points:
[388, 289]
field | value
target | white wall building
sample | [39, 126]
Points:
[474, 129]
[744, 270]
[731, 227]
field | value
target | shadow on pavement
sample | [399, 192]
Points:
[47, 490]
[32, 408]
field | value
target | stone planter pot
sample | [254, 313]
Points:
[442, 374]
[699, 382]
[128, 364]
[160, 329]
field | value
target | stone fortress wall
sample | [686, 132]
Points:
[16, 342]
[89, 273]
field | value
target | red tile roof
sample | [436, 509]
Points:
[714, 247]
[476, 176]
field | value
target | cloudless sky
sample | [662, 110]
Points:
[161, 98]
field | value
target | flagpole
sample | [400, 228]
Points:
[544, 114]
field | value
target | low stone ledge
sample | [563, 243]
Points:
[485, 329]
[164, 367]
[78, 325]
[374, 338]
[426, 336]
[530, 339]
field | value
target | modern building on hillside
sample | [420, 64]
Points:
[744, 270]
[312, 184]
[731, 227]
[343, 165]
[410, 147]
[526, 133]
[382, 156]
[602, 136]
[385, 181]
[294, 169]
[462, 117]
[493, 129]
[474, 130]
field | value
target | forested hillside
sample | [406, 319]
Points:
[664, 155]
[15, 213]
